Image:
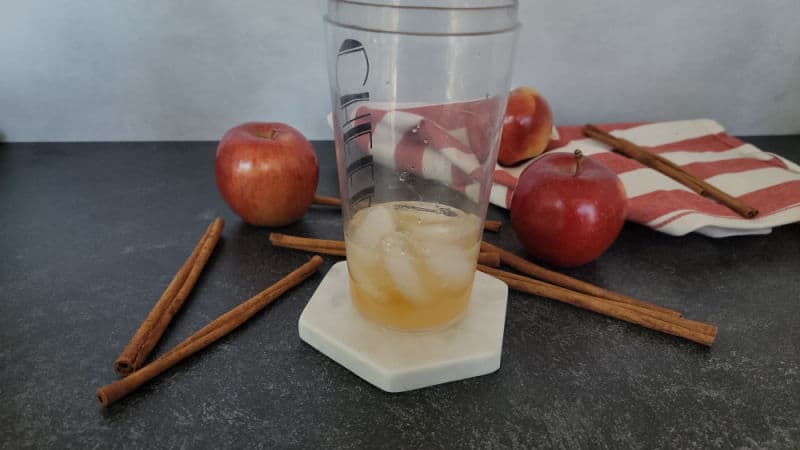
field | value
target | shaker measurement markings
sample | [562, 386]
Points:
[361, 125]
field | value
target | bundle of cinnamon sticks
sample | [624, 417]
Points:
[153, 327]
[536, 280]
[540, 281]
[130, 363]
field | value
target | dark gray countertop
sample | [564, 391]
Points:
[93, 232]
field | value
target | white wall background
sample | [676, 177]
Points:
[188, 70]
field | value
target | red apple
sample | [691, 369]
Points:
[568, 209]
[527, 125]
[267, 173]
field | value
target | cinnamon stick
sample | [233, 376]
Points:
[337, 248]
[150, 331]
[327, 201]
[207, 335]
[489, 225]
[694, 331]
[313, 249]
[289, 241]
[670, 169]
[492, 225]
[649, 159]
[701, 327]
[491, 259]
[537, 271]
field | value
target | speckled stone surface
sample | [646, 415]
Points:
[91, 233]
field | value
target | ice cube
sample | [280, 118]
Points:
[362, 264]
[436, 232]
[462, 229]
[369, 230]
[398, 260]
[453, 266]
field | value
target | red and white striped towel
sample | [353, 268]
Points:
[446, 142]
[441, 142]
[763, 180]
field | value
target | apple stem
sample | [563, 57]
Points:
[578, 162]
[272, 133]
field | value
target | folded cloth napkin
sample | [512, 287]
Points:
[763, 180]
[440, 142]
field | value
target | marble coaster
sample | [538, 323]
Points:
[396, 361]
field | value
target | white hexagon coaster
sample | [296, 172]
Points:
[395, 361]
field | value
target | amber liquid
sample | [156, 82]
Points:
[412, 264]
